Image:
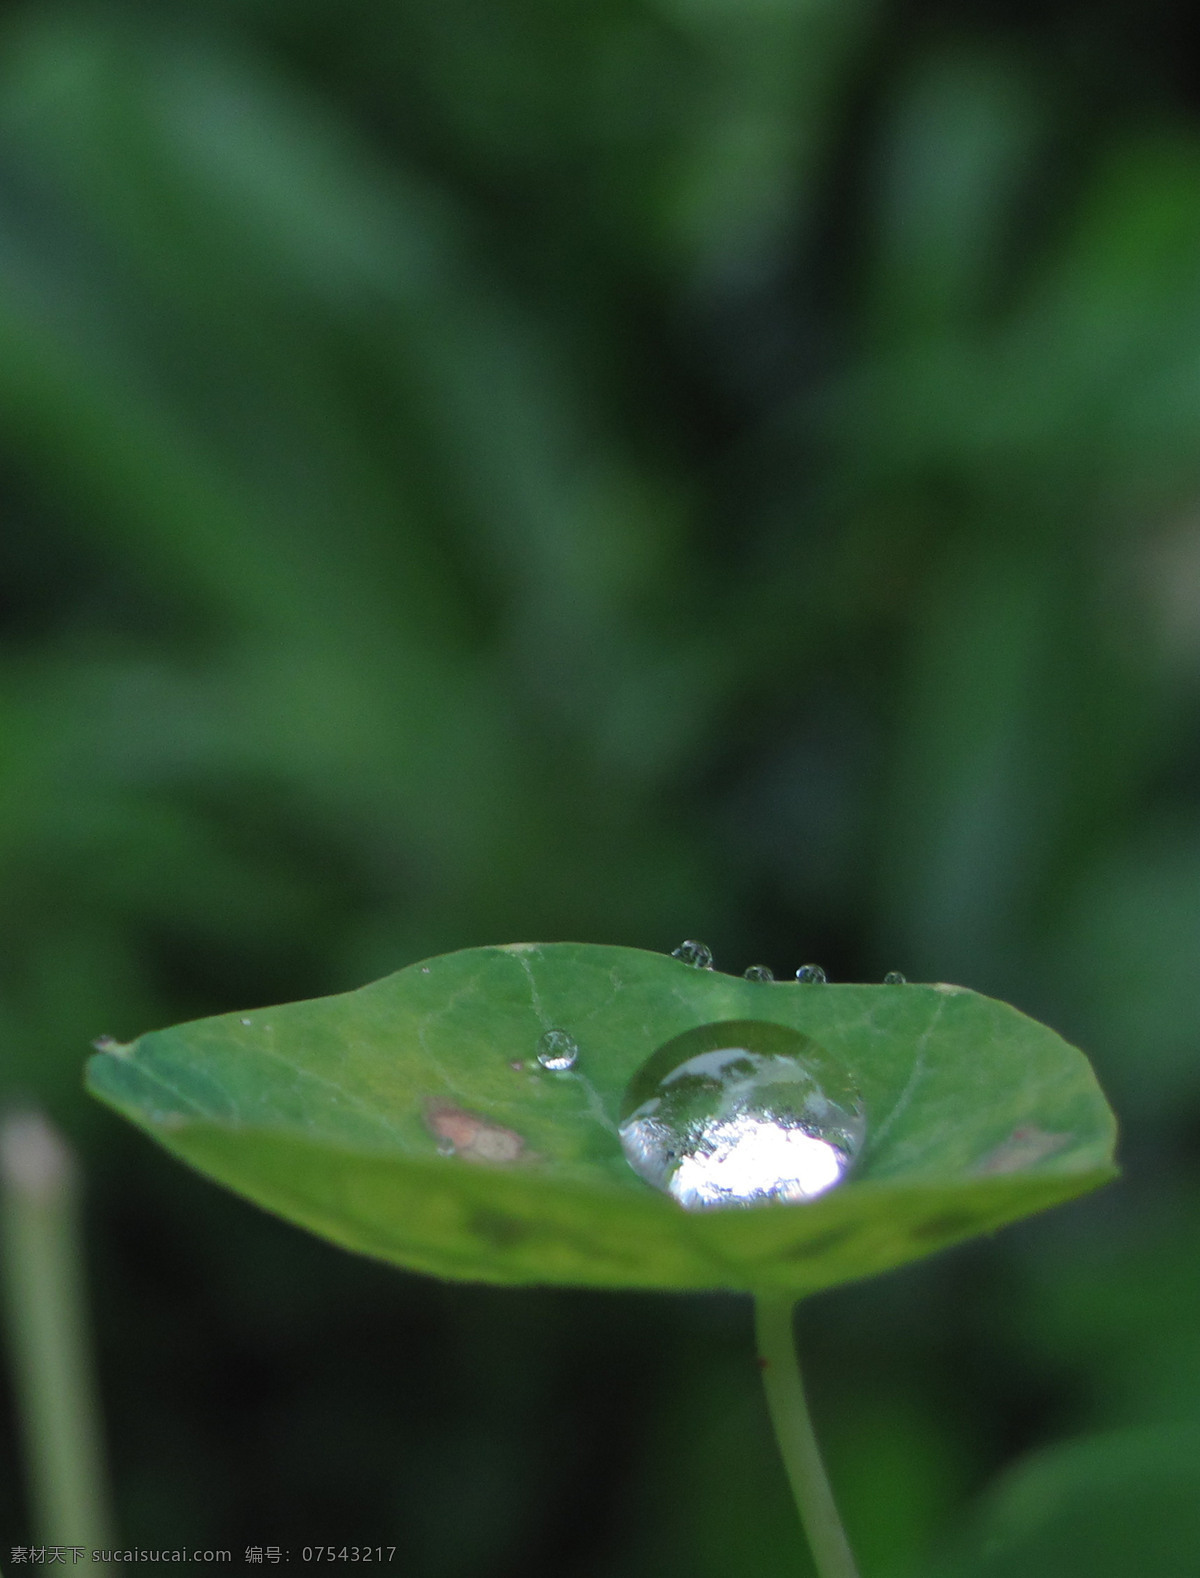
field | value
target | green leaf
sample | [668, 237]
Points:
[1105, 1506]
[331, 1112]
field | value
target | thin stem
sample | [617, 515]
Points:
[797, 1443]
[41, 1274]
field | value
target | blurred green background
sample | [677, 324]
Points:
[499, 470]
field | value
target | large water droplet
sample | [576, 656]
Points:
[693, 953]
[557, 1051]
[811, 974]
[739, 1112]
[759, 972]
[894, 978]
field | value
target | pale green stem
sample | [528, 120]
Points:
[794, 1432]
[42, 1275]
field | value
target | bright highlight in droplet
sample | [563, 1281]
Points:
[558, 1051]
[743, 1154]
[741, 1112]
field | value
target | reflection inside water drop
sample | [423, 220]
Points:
[694, 953]
[741, 1112]
[811, 975]
[894, 978]
[557, 1051]
[758, 972]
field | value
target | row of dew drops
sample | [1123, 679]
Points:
[558, 1051]
[738, 1112]
[700, 958]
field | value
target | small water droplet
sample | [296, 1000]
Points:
[695, 954]
[106, 1044]
[424, 969]
[245, 1021]
[811, 974]
[894, 978]
[740, 1112]
[759, 972]
[517, 1066]
[557, 1051]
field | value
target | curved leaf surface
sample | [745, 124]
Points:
[338, 1114]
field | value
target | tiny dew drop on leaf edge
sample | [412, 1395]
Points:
[462, 1118]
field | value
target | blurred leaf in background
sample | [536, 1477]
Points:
[653, 469]
[1120, 1500]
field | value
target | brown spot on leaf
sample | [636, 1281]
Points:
[1025, 1147]
[473, 1137]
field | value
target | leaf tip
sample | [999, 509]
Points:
[113, 1047]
